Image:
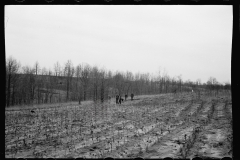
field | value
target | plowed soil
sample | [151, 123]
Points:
[180, 125]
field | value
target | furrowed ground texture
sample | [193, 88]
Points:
[152, 126]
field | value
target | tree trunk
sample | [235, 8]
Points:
[38, 96]
[51, 98]
[102, 92]
[8, 90]
[84, 93]
[67, 90]
[13, 95]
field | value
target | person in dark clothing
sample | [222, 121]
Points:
[126, 96]
[120, 99]
[117, 99]
[132, 95]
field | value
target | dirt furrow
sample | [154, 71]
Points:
[177, 126]
[210, 132]
[171, 128]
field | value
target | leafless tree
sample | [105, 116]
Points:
[36, 68]
[12, 69]
[119, 82]
[44, 71]
[57, 69]
[84, 77]
[78, 85]
[95, 79]
[180, 83]
[128, 81]
[104, 86]
[28, 85]
[198, 81]
[68, 73]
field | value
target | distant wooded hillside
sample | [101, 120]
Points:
[34, 85]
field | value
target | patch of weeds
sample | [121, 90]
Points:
[216, 145]
[184, 151]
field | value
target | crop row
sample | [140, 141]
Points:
[26, 130]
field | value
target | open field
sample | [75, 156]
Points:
[152, 126]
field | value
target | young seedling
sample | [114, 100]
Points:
[148, 141]
[17, 147]
[92, 134]
[161, 130]
[140, 149]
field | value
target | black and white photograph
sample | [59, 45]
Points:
[120, 81]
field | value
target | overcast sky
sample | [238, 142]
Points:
[192, 41]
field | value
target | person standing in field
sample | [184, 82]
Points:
[132, 95]
[117, 99]
[120, 99]
[126, 97]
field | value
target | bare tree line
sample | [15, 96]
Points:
[35, 85]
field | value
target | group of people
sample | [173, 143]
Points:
[119, 98]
